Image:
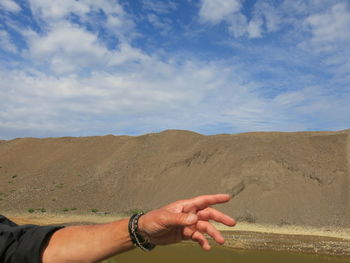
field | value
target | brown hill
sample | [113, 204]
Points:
[277, 178]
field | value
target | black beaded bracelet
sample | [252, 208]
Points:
[135, 236]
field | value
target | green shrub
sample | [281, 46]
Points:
[59, 185]
[65, 209]
[136, 211]
[43, 210]
[31, 210]
[73, 209]
[94, 210]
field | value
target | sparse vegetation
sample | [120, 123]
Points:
[247, 218]
[73, 209]
[136, 211]
[13, 190]
[283, 223]
[94, 210]
[14, 176]
[65, 210]
[32, 210]
[59, 185]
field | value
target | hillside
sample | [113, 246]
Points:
[277, 178]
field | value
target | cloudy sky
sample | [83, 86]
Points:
[77, 68]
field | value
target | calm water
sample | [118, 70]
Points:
[190, 253]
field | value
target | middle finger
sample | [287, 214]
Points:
[213, 214]
[206, 227]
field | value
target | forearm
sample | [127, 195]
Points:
[88, 243]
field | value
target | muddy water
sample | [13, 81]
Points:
[190, 253]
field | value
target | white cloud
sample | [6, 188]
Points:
[297, 7]
[327, 20]
[269, 15]
[6, 43]
[126, 54]
[36, 97]
[67, 48]
[163, 26]
[326, 106]
[330, 27]
[329, 35]
[237, 25]
[319, 103]
[215, 11]
[291, 98]
[117, 21]
[160, 7]
[10, 5]
[152, 94]
[57, 10]
[149, 94]
[254, 28]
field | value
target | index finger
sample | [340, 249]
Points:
[203, 201]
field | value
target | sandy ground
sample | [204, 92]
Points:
[274, 178]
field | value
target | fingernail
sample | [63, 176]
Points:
[191, 219]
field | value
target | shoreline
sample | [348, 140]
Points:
[301, 239]
[343, 233]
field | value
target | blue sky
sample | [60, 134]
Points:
[78, 68]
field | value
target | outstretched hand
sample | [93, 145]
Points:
[186, 219]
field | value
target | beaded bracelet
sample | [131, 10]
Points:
[135, 236]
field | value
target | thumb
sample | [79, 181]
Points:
[181, 219]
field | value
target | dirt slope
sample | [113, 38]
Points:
[276, 178]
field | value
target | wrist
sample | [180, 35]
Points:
[142, 230]
[137, 232]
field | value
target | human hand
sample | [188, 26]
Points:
[186, 219]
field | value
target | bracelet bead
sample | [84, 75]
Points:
[137, 239]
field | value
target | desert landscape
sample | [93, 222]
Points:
[281, 183]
